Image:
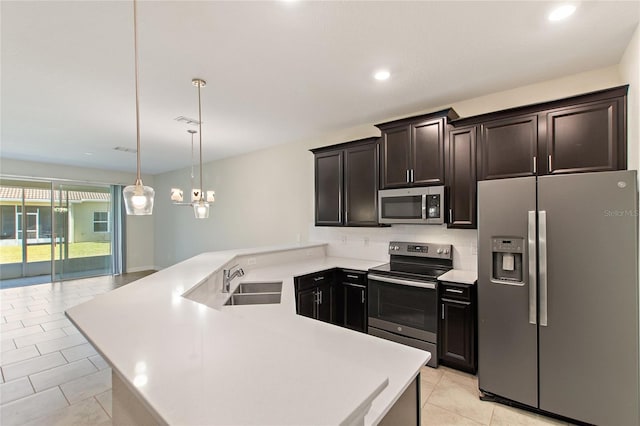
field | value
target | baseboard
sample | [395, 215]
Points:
[142, 268]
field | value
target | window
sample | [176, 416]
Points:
[7, 222]
[100, 221]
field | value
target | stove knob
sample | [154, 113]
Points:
[396, 248]
[439, 251]
[446, 251]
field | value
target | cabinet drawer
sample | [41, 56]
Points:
[455, 291]
[353, 277]
[313, 280]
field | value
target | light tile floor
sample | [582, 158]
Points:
[50, 375]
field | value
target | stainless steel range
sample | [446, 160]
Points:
[403, 295]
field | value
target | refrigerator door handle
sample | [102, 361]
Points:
[542, 240]
[531, 238]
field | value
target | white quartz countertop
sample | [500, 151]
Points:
[459, 276]
[204, 363]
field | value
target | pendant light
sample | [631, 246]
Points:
[138, 199]
[201, 206]
[177, 195]
[200, 200]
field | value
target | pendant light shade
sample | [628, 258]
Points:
[201, 209]
[138, 199]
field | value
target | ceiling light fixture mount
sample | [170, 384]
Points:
[138, 199]
[561, 12]
[199, 201]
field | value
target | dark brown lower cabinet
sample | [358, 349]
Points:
[335, 296]
[306, 305]
[315, 295]
[325, 302]
[355, 306]
[457, 334]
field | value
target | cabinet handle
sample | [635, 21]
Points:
[535, 165]
[453, 290]
[320, 293]
[411, 175]
[318, 279]
[353, 276]
[408, 176]
[550, 167]
[443, 311]
[363, 297]
[450, 215]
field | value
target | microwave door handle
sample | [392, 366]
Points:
[424, 207]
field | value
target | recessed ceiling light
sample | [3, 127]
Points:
[88, 153]
[382, 75]
[562, 12]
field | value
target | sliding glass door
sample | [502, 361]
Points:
[55, 231]
[25, 226]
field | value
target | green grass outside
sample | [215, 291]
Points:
[42, 252]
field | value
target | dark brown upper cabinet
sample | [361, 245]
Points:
[585, 133]
[586, 137]
[346, 183]
[329, 187]
[461, 177]
[413, 151]
[509, 147]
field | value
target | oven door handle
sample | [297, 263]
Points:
[402, 282]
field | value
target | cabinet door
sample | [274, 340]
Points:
[324, 310]
[307, 303]
[586, 138]
[428, 153]
[509, 148]
[396, 150]
[461, 178]
[329, 183]
[361, 189]
[456, 333]
[355, 302]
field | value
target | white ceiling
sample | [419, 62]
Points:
[277, 72]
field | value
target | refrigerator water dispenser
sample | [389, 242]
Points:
[507, 265]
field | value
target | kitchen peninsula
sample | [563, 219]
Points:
[179, 355]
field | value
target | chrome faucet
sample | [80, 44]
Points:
[227, 276]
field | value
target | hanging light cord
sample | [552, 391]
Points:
[135, 50]
[193, 160]
[200, 135]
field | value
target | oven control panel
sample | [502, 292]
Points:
[401, 248]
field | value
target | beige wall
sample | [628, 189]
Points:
[140, 229]
[266, 197]
[630, 73]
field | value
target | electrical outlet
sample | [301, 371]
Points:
[251, 261]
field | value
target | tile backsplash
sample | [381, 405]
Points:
[373, 243]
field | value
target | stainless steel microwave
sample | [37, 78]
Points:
[424, 205]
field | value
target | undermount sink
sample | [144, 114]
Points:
[262, 287]
[259, 293]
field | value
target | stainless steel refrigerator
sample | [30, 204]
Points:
[558, 294]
